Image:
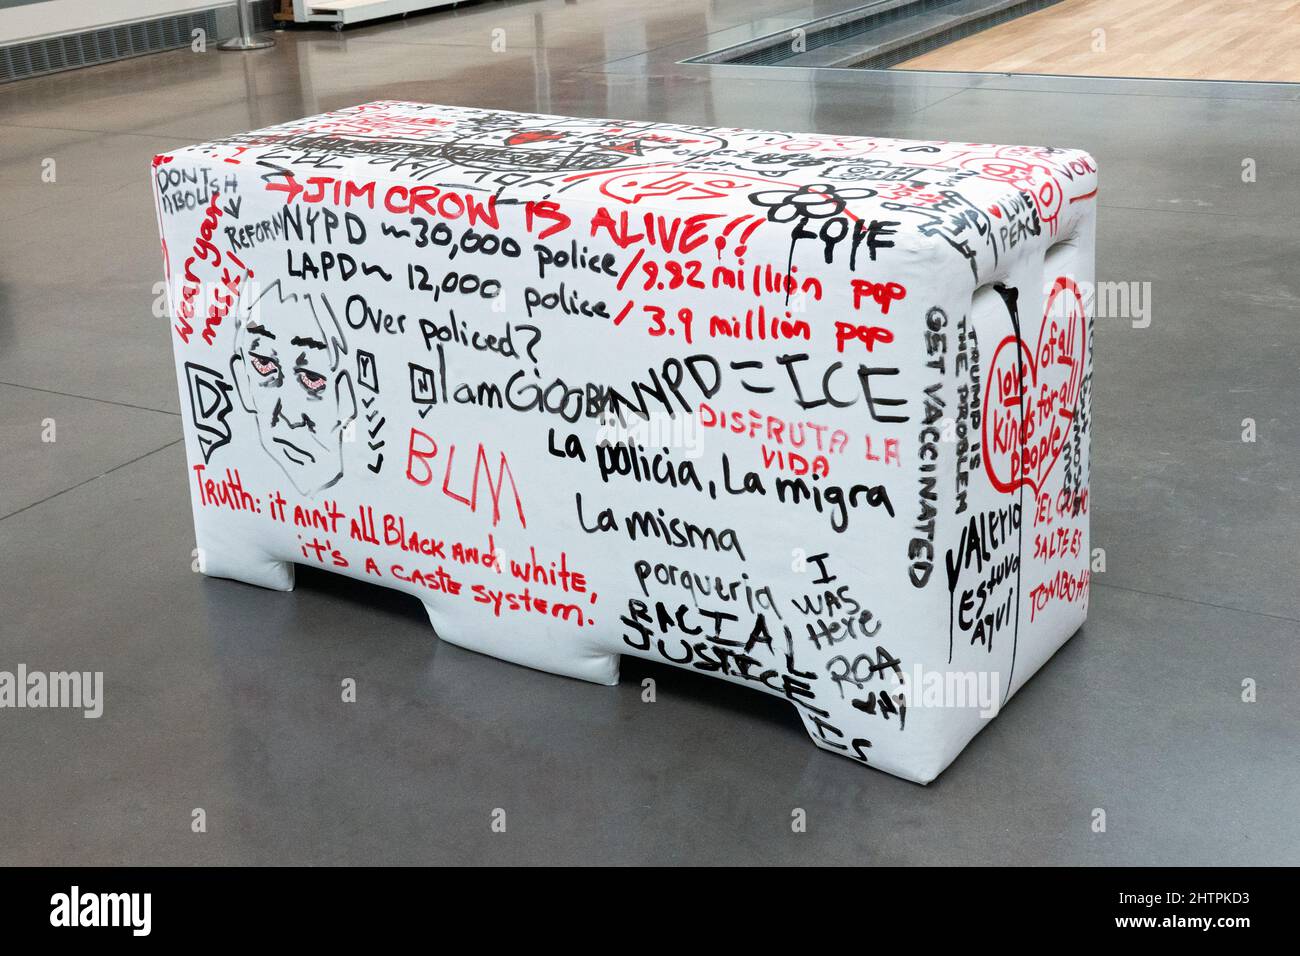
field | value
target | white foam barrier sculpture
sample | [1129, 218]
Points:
[809, 413]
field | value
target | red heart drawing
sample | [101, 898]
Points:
[1030, 396]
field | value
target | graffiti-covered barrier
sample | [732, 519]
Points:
[808, 413]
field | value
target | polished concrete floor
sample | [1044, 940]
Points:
[226, 698]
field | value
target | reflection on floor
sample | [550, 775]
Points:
[1176, 39]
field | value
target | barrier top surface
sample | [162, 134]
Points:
[537, 156]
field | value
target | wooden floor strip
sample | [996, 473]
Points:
[1174, 39]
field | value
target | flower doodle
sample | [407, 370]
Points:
[809, 201]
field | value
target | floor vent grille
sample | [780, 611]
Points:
[20, 61]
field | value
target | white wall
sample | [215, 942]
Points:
[54, 17]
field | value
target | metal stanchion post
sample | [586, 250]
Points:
[245, 40]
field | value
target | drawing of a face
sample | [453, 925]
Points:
[287, 371]
[549, 145]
